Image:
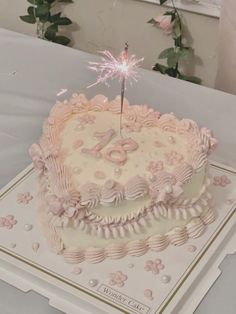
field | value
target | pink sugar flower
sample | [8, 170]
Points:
[155, 166]
[86, 119]
[154, 266]
[24, 198]
[8, 222]
[133, 126]
[118, 279]
[165, 23]
[172, 158]
[221, 180]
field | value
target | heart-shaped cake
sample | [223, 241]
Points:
[112, 185]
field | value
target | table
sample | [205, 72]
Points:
[33, 72]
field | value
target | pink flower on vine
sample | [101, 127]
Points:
[86, 119]
[221, 180]
[117, 279]
[24, 198]
[155, 166]
[154, 266]
[172, 158]
[8, 221]
[165, 23]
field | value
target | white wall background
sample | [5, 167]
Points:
[107, 24]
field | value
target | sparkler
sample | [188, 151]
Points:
[123, 68]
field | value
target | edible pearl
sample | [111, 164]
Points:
[93, 282]
[171, 139]
[77, 170]
[152, 178]
[28, 227]
[117, 171]
[77, 271]
[148, 294]
[192, 248]
[165, 279]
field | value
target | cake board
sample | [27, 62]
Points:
[189, 270]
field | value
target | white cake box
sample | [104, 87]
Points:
[185, 274]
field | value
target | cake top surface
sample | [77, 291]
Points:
[96, 148]
[149, 159]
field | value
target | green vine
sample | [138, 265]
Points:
[178, 52]
[47, 23]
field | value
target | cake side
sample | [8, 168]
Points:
[175, 189]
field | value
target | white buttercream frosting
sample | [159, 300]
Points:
[90, 195]
[112, 193]
[135, 188]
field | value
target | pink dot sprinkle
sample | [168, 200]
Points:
[78, 144]
[99, 175]
[9, 217]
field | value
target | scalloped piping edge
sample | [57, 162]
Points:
[158, 242]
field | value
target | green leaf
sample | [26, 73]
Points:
[42, 10]
[31, 10]
[178, 42]
[172, 59]
[66, 1]
[162, 1]
[177, 27]
[28, 19]
[172, 72]
[35, 2]
[172, 12]
[63, 21]
[152, 21]
[53, 28]
[61, 40]
[55, 17]
[165, 53]
[190, 78]
[186, 52]
[45, 18]
[51, 32]
[160, 68]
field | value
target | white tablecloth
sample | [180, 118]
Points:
[43, 69]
